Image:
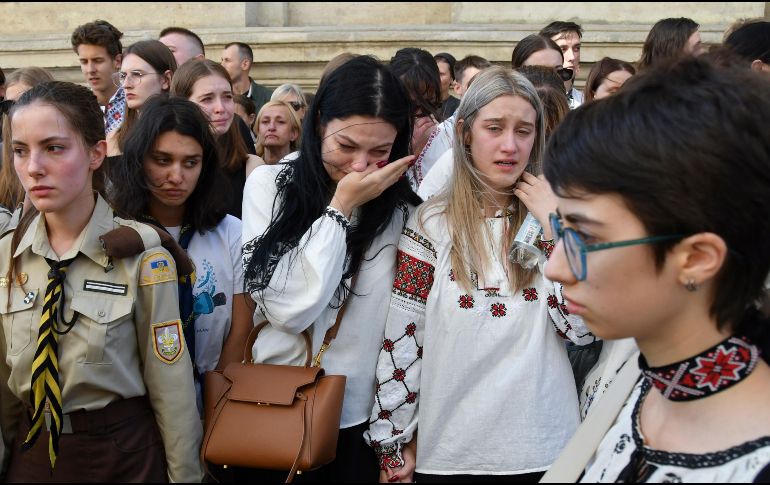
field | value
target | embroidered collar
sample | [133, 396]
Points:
[705, 374]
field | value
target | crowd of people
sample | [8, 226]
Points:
[498, 258]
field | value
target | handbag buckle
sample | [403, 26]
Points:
[319, 355]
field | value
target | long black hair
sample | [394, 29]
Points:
[130, 194]
[364, 87]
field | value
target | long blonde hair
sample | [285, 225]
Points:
[464, 199]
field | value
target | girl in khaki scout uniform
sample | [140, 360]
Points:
[95, 381]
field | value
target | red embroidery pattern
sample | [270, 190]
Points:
[452, 275]
[466, 301]
[714, 370]
[530, 294]
[553, 302]
[399, 376]
[546, 247]
[413, 277]
[498, 310]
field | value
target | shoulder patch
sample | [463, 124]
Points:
[157, 268]
[168, 341]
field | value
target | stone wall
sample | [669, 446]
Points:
[293, 40]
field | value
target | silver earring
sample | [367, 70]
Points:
[690, 285]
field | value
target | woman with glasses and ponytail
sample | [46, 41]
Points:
[654, 255]
[96, 375]
[473, 369]
[146, 70]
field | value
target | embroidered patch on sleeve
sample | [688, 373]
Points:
[157, 268]
[414, 278]
[105, 287]
[168, 341]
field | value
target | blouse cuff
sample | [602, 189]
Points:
[390, 455]
[337, 217]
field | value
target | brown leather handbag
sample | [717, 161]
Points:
[273, 417]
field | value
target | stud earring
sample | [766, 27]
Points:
[690, 285]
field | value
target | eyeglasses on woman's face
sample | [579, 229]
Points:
[296, 105]
[576, 249]
[134, 77]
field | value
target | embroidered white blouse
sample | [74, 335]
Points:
[739, 464]
[301, 292]
[484, 372]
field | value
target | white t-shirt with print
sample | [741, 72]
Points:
[219, 276]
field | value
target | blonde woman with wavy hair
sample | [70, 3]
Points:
[473, 354]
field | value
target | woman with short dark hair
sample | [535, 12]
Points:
[647, 251]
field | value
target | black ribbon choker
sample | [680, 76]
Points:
[705, 374]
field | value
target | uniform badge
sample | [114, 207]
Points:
[22, 279]
[157, 268]
[168, 341]
[29, 297]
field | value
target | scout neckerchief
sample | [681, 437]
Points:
[186, 283]
[45, 366]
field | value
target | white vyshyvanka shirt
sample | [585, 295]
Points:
[300, 293]
[487, 369]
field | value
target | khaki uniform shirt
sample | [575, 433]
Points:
[127, 342]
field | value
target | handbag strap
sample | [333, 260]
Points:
[331, 334]
[581, 448]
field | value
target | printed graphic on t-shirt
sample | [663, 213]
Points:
[205, 292]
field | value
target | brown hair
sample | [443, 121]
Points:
[233, 154]
[98, 32]
[550, 89]
[156, 54]
[600, 71]
[11, 191]
[335, 63]
[79, 107]
[666, 40]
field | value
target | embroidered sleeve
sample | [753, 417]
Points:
[546, 246]
[303, 275]
[569, 327]
[394, 414]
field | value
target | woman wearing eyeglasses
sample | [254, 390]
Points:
[538, 50]
[278, 131]
[473, 356]
[146, 70]
[655, 256]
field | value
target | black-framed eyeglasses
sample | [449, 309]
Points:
[296, 105]
[135, 77]
[6, 105]
[576, 249]
[565, 73]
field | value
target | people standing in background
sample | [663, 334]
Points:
[237, 59]
[568, 36]
[146, 70]
[244, 108]
[751, 42]
[207, 84]
[171, 178]
[446, 69]
[100, 53]
[278, 132]
[294, 96]
[184, 44]
[671, 38]
[606, 77]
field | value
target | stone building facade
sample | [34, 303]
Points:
[293, 40]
